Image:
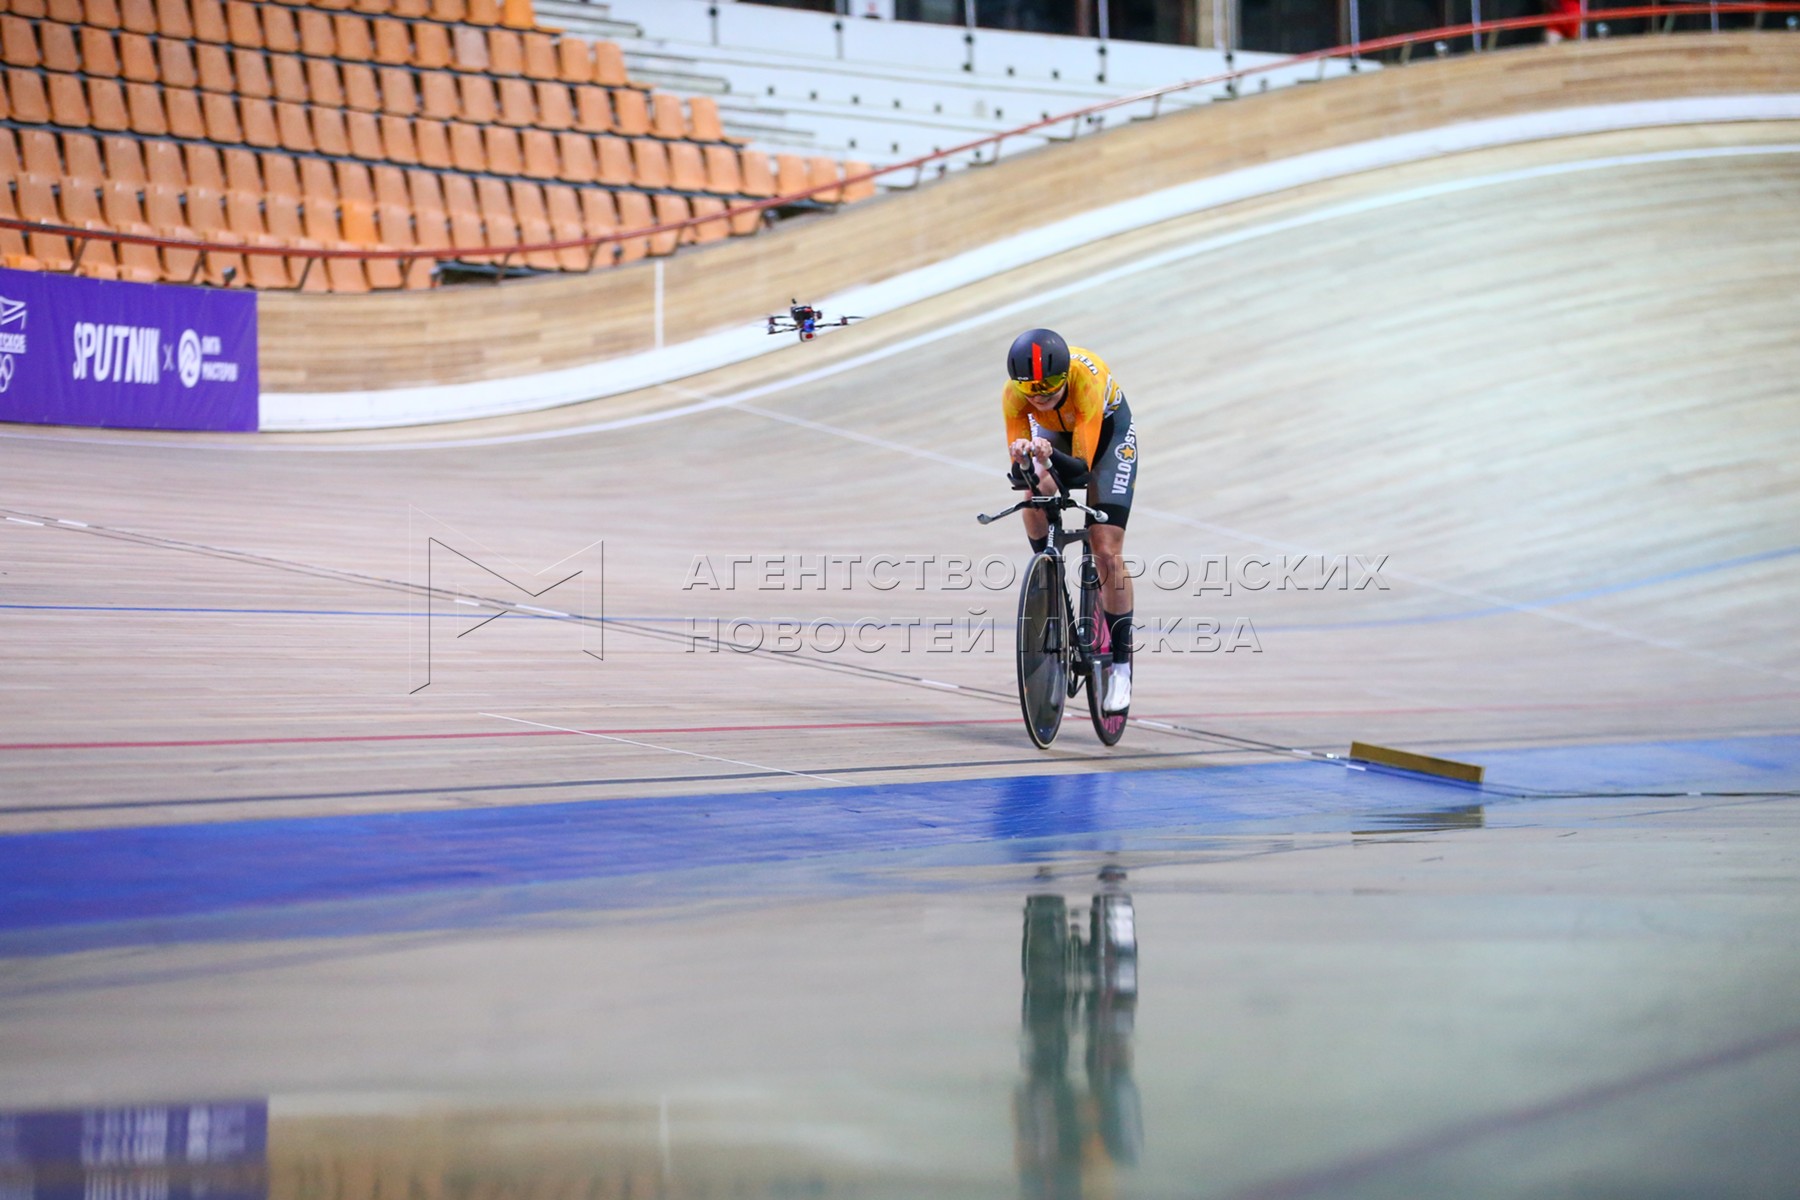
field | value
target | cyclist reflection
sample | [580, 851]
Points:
[1068, 1143]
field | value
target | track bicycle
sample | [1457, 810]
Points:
[1058, 652]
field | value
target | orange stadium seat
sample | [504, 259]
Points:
[316, 36]
[687, 167]
[176, 63]
[102, 14]
[790, 175]
[106, 106]
[26, 98]
[430, 215]
[502, 228]
[323, 84]
[206, 217]
[540, 56]
[614, 166]
[397, 142]
[281, 177]
[600, 217]
[353, 183]
[478, 101]
[318, 182]
[295, 131]
[575, 152]
[99, 52]
[281, 214]
[393, 43]
[137, 58]
[431, 47]
[183, 110]
[540, 154]
[554, 111]
[433, 141]
[748, 221]
[437, 96]
[279, 33]
[518, 107]
[390, 187]
[669, 210]
[203, 167]
[506, 53]
[469, 50]
[221, 118]
[166, 167]
[251, 68]
[411, 9]
[257, 118]
[518, 14]
[650, 164]
[501, 148]
[214, 66]
[448, 11]
[125, 161]
[144, 103]
[360, 90]
[364, 134]
[13, 252]
[631, 113]
[857, 191]
[329, 133]
[139, 16]
[710, 231]
[574, 60]
[209, 22]
[609, 65]
[722, 175]
[466, 153]
[481, 12]
[400, 92]
[243, 172]
[354, 41]
[9, 155]
[822, 170]
[18, 42]
[244, 24]
[80, 201]
[29, 8]
[289, 74]
[666, 118]
[60, 53]
[593, 110]
[38, 153]
[703, 120]
[173, 19]
[68, 106]
[358, 219]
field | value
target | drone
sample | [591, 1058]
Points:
[806, 321]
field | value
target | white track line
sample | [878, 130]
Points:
[606, 737]
[1153, 262]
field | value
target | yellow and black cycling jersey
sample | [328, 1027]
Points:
[1092, 396]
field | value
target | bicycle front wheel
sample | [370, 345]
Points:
[1042, 650]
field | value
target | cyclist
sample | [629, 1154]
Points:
[1067, 417]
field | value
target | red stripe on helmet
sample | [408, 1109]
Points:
[1037, 363]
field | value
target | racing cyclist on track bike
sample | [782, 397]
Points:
[1067, 417]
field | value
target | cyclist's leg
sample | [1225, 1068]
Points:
[1111, 488]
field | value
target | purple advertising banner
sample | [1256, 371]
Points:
[125, 355]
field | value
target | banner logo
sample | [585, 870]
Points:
[191, 358]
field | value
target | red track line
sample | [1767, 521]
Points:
[501, 733]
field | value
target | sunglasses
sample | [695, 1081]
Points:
[1044, 386]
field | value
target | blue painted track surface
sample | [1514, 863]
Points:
[447, 869]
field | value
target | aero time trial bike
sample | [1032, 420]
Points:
[1057, 652]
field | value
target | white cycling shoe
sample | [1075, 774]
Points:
[1118, 689]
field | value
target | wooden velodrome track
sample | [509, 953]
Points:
[1557, 406]
[1549, 388]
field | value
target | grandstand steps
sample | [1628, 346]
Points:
[588, 20]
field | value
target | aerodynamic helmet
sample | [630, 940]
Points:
[1038, 362]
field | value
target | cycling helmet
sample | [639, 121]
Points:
[1038, 362]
